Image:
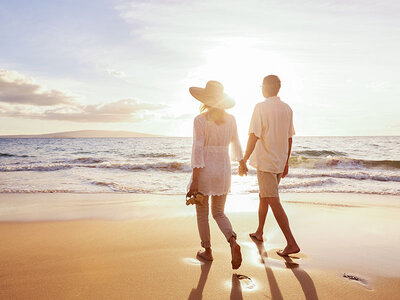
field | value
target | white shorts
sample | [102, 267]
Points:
[268, 183]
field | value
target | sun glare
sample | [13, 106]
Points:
[240, 65]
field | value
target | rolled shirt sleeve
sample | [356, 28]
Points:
[198, 144]
[291, 132]
[256, 123]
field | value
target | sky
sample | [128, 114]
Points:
[127, 65]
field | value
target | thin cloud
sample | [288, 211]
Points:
[24, 99]
[127, 110]
[171, 116]
[18, 89]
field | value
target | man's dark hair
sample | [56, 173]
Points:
[272, 84]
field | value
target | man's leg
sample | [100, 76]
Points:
[263, 179]
[262, 215]
[283, 223]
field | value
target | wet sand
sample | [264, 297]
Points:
[119, 246]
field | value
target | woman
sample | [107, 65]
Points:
[214, 130]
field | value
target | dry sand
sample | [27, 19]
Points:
[118, 246]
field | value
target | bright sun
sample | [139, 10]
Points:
[240, 65]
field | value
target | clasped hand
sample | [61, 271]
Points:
[243, 168]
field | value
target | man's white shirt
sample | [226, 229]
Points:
[272, 123]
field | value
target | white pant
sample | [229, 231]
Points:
[217, 210]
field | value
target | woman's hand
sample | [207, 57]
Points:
[194, 188]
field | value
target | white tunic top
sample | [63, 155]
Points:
[210, 153]
[272, 123]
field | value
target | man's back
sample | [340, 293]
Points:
[272, 123]
[269, 144]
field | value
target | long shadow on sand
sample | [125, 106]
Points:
[273, 285]
[236, 291]
[305, 280]
[302, 276]
[197, 293]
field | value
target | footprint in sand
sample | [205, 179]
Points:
[358, 279]
[246, 282]
[297, 256]
[276, 263]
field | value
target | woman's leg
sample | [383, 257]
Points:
[217, 210]
[204, 229]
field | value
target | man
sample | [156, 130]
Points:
[270, 136]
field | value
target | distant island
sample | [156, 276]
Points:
[84, 134]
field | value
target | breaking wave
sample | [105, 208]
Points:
[319, 153]
[342, 163]
[13, 155]
[156, 155]
[115, 187]
[357, 176]
[92, 163]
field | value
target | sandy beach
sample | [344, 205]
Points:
[122, 246]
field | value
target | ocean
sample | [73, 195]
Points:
[367, 165]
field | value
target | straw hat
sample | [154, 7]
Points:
[212, 95]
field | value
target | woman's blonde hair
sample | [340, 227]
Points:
[215, 114]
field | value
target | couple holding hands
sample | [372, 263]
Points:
[268, 148]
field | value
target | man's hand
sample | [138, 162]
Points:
[243, 168]
[241, 171]
[286, 170]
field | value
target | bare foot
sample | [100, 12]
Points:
[206, 255]
[289, 250]
[236, 256]
[257, 236]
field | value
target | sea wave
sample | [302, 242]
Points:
[319, 153]
[357, 176]
[344, 191]
[90, 163]
[322, 182]
[321, 189]
[82, 152]
[33, 191]
[38, 168]
[156, 155]
[87, 160]
[313, 183]
[342, 163]
[115, 187]
[162, 166]
[13, 155]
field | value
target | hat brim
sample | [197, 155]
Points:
[223, 102]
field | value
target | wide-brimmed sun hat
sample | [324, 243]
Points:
[213, 95]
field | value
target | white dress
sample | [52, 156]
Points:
[210, 153]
